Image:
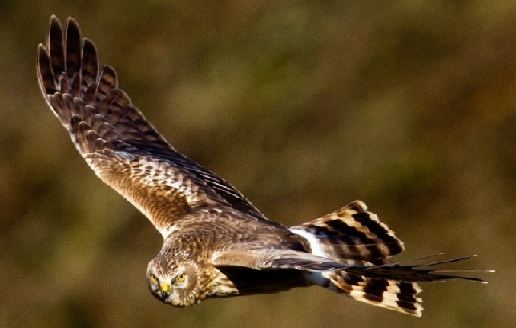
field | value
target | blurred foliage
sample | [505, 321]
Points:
[304, 106]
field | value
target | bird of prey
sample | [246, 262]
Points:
[215, 242]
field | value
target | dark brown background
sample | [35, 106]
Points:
[302, 105]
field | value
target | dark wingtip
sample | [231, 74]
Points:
[44, 71]
[90, 48]
[72, 27]
[72, 20]
[54, 19]
[55, 24]
[73, 48]
[90, 63]
[42, 51]
[89, 42]
[55, 46]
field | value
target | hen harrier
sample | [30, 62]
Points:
[215, 242]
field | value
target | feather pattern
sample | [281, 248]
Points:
[216, 243]
[387, 293]
[116, 140]
[351, 235]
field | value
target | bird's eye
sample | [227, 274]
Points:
[180, 279]
[154, 280]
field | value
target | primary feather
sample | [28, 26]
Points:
[116, 140]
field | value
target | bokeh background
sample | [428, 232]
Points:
[303, 106]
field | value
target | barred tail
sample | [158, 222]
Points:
[387, 293]
[393, 286]
[351, 235]
[357, 239]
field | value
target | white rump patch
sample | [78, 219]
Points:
[312, 240]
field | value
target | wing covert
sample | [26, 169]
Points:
[116, 140]
[268, 259]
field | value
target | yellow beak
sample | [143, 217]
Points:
[165, 287]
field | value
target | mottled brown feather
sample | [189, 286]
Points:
[116, 140]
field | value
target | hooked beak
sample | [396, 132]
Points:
[164, 291]
[165, 287]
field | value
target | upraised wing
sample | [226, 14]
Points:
[116, 140]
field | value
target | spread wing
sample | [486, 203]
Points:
[116, 140]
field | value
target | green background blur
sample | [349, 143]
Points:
[303, 106]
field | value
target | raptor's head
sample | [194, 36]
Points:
[175, 283]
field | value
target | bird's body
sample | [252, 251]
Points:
[221, 230]
[215, 242]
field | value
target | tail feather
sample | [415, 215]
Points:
[387, 293]
[356, 238]
[425, 272]
[351, 235]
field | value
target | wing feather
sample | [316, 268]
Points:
[116, 140]
[271, 259]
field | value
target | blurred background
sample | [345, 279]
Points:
[304, 106]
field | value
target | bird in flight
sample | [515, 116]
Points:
[215, 242]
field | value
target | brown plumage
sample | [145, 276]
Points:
[216, 243]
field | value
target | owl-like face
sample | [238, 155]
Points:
[177, 285]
